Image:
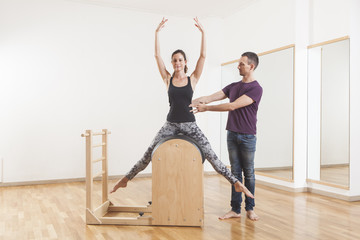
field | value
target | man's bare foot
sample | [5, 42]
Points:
[230, 214]
[120, 184]
[239, 187]
[252, 215]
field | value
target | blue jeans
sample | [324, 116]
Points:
[241, 149]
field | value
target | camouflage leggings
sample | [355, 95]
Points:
[189, 129]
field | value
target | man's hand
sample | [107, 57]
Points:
[197, 101]
[198, 108]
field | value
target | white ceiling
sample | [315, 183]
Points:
[182, 8]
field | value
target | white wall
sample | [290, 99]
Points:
[329, 19]
[70, 66]
[263, 26]
[300, 92]
[314, 110]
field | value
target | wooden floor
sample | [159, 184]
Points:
[57, 211]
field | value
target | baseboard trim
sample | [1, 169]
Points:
[354, 198]
[67, 180]
[335, 195]
[41, 182]
[281, 187]
[328, 184]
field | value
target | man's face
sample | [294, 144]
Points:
[244, 67]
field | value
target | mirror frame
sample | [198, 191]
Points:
[321, 182]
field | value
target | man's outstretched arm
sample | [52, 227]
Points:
[242, 101]
[220, 95]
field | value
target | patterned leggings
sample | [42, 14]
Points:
[189, 129]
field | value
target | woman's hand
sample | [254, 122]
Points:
[239, 187]
[198, 25]
[161, 25]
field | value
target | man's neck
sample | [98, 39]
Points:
[248, 78]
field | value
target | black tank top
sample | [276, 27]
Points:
[180, 99]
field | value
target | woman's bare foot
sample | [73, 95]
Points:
[230, 214]
[239, 187]
[252, 215]
[120, 184]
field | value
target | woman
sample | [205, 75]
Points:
[180, 119]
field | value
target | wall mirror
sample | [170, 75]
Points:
[274, 148]
[328, 112]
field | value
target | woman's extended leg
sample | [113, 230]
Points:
[168, 129]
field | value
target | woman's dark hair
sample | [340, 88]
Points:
[184, 55]
[252, 58]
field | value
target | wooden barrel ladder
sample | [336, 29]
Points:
[177, 185]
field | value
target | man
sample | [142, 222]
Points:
[244, 97]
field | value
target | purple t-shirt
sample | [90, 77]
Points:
[243, 120]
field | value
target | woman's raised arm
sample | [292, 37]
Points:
[162, 69]
[195, 76]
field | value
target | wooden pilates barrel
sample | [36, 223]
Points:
[177, 183]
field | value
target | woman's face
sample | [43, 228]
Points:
[178, 62]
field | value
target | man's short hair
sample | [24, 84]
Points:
[252, 58]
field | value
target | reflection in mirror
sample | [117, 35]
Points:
[274, 148]
[328, 104]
